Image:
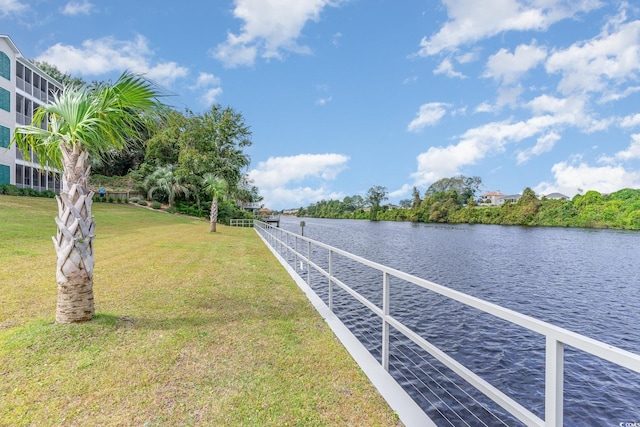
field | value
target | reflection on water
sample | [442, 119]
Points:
[584, 280]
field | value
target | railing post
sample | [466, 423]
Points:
[554, 383]
[295, 253]
[309, 262]
[385, 325]
[331, 281]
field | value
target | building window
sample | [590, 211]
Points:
[19, 175]
[19, 76]
[5, 172]
[5, 136]
[27, 176]
[5, 99]
[5, 66]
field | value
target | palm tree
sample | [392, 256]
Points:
[83, 122]
[165, 180]
[217, 189]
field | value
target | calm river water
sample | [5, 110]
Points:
[587, 281]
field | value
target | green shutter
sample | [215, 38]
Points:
[5, 66]
[5, 136]
[5, 172]
[5, 100]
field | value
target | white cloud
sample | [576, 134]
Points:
[410, 80]
[632, 152]
[78, 8]
[324, 101]
[446, 67]
[485, 107]
[208, 85]
[402, 191]
[618, 93]
[467, 57]
[569, 179]
[473, 20]
[211, 95]
[544, 144]
[164, 73]
[439, 162]
[550, 115]
[283, 181]
[269, 28]
[571, 111]
[630, 121]
[101, 56]
[429, 115]
[289, 198]
[336, 39]
[509, 95]
[603, 63]
[10, 7]
[508, 67]
[206, 80]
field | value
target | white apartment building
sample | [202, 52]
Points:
[23, 88]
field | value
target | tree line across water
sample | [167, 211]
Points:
[454, 200]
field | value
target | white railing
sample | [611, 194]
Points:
[556, 338]
[242, 222]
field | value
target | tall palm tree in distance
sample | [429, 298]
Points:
[217, 189]
[83, 122]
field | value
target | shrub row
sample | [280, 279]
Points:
[109, 199]
[12, 190]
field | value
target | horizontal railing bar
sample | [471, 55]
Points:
[513, 407]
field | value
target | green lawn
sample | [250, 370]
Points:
[192, 328]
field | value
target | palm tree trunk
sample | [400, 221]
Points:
[74, 240]
[213, 217]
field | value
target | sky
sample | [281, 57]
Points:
[344, 95]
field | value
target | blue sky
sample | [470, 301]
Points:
[342, 95]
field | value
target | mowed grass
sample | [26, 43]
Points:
[192, 329]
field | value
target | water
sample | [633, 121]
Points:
[587, 281]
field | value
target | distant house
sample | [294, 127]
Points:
[509, 199]
[556, 196]
[491, 198]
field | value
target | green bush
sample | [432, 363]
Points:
[10, 190]
[29, 192]
[156, 205]
[191, 210]
[142, 202]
